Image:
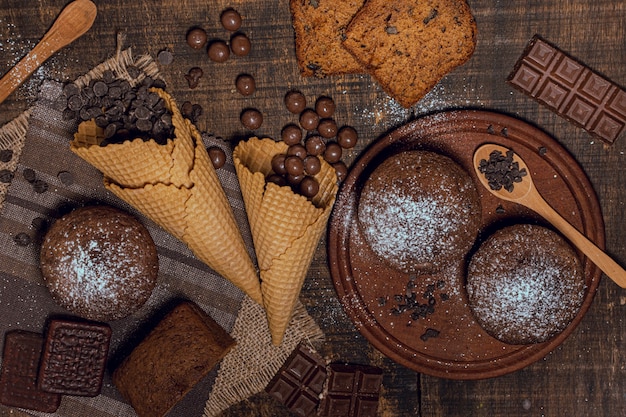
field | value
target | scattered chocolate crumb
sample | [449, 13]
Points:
[429, 333]
[22, 239]
[193, 76]
[6, 155]
[40, 186]
[66, 178]
[29, 174]
[543, 150]
[500, 209]
[6, 176]
[39, 223]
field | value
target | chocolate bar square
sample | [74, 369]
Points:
[18, 380]
[300, 381]
[352, 390]
[74, 357]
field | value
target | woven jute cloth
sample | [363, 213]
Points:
[39, 139]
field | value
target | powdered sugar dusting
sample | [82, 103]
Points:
[525, 285]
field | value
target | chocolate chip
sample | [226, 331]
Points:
[40, 186]
[22, 239]
[39, 223]
[165, 57]
[231, 19]
[6, 176]
[134, 72]
[501, 171]
[100, 88]
[240, 44]
[218, 51]
[29, 175]
[6, 155]
[66, 178]
[429, 333]
[193, 76]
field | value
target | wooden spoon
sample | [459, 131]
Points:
[73, 21]
[526, 194]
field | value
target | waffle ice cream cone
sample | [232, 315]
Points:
[286, 227]
[177, 187]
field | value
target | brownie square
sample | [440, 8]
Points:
[74, 357]
[18, 380]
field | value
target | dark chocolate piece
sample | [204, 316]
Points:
[571, 89]
[352, 390]
[300, 381]
[18, 380]
[74, 357]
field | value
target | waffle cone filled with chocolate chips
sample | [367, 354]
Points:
[286, 227]
[175, 185]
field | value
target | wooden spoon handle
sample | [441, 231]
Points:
[587, 247]
[73, 21]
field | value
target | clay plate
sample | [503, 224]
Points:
[366, 286]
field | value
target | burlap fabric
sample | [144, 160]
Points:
[40, 141]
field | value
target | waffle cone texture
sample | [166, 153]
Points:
[177, 187]
[286, 227]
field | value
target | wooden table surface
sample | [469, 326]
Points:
[586, 375]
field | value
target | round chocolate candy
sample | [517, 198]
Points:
[245, 84]
[291, 134]
[240, 44]
[278, 164]
[309, 187]
[277, 179]
[295, 102]
[315, 145]
[312, 165]
[196, 38]
[297, 150]
[347, 137]
[251, 119]
[218, 51]
[217, 156]
[341, 169]
[325, 106]
[294, 180]
[327, 128]
[309, 120]
[294, 165]
[333, 152]
[230, 19]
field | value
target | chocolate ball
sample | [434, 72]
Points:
[333, 152]
[196, 38]
[347, 137]
[309, 120]
[251, 119]
[291, 134]
[230, 19]
[295, 102]
[312, 165]
[245, 84]
[315, 145]
[294, 180]
[325, 106]
[298, 150]
[218, 51]
[240, 44]
[279, 180]
[341, 170]
[309, 187]
[327, 128]
[278, 164]
[217, 156]
[294, 165]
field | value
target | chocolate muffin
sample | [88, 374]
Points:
[419, 211]
[525, 284]
[99, 262]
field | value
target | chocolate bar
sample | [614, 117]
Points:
[352, 390]
[74, 357]
[300, 381]
[18, 380]
[571, 89]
